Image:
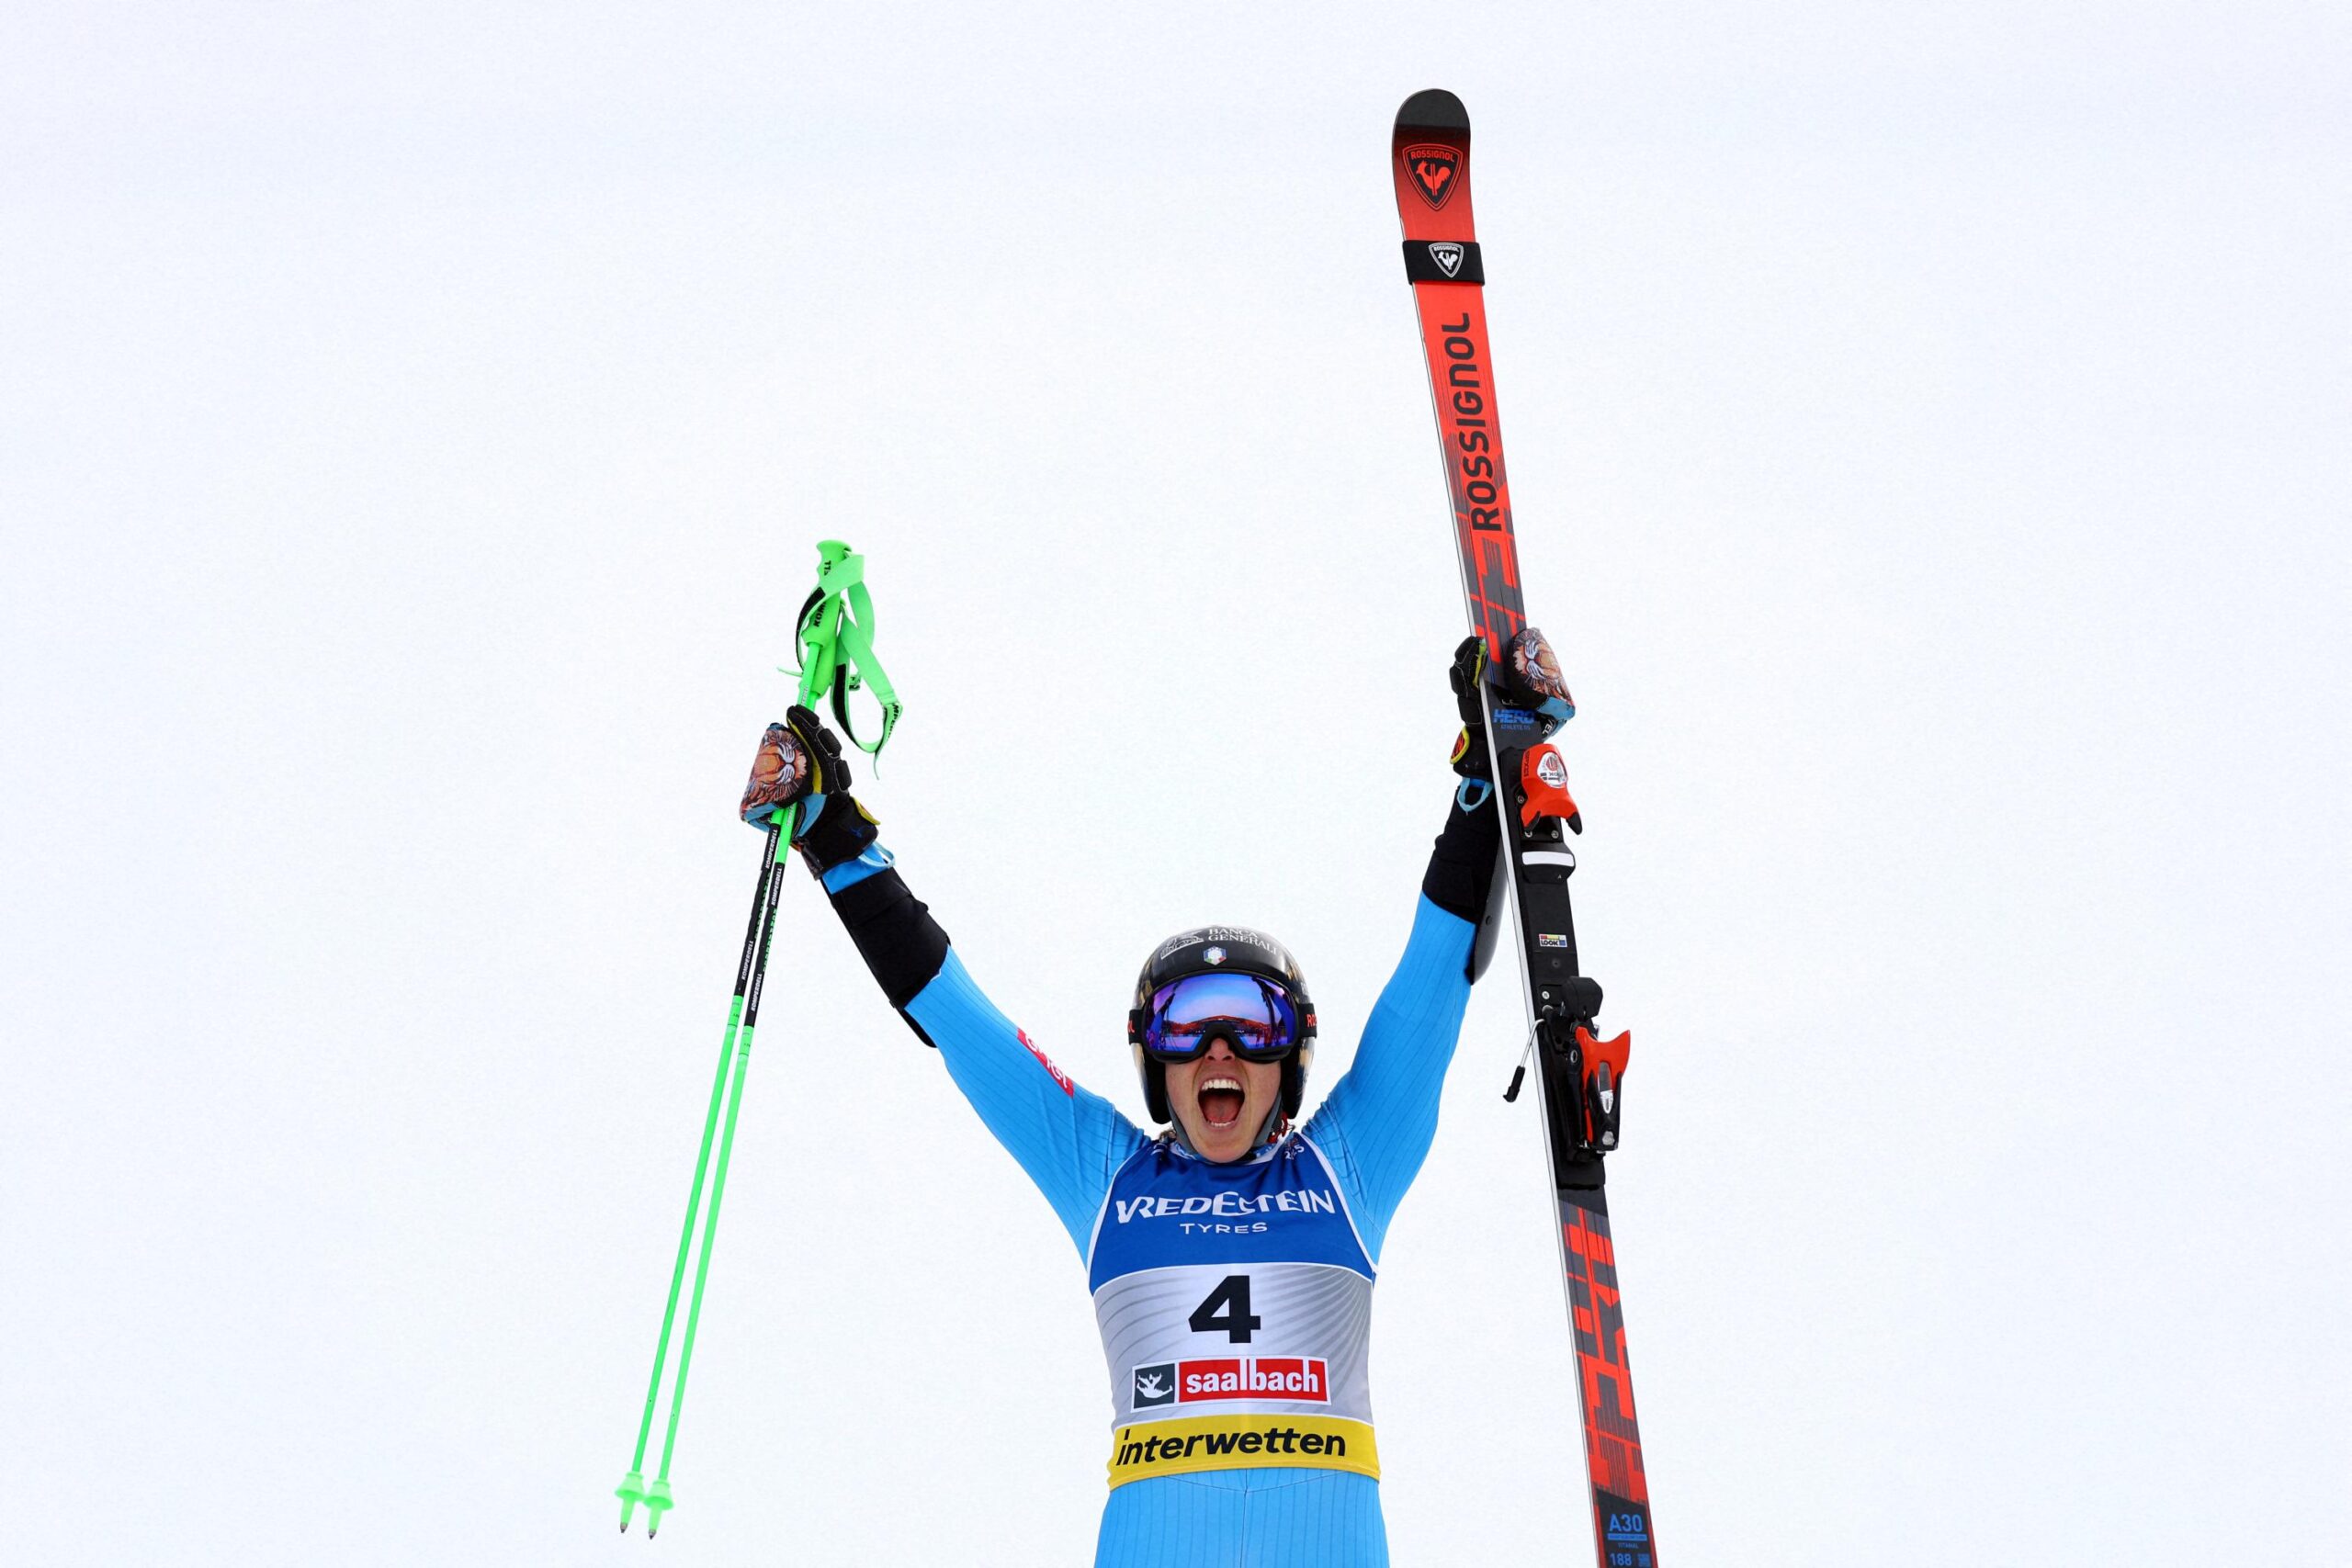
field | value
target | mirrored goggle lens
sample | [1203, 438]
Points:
[1255, 1015]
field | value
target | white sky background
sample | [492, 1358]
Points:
[1928, 431]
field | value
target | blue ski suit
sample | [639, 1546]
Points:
[1305, 1218]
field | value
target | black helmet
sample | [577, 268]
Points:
[1207, 950]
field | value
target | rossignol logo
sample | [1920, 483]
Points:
[1432, 168]
[1478, 468]
[1448, 256]
[1550, 771]
[1232, 1377]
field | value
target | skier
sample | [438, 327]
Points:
[1231, 1257]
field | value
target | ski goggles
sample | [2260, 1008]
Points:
[1252, 1014]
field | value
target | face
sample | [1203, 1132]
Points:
[1222, 1100]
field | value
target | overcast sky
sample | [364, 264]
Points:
[1928, 425]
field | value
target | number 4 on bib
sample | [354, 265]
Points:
[1227, 1309]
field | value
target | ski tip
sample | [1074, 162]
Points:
[1433, 108]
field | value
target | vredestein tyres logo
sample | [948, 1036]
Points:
[1433, 169]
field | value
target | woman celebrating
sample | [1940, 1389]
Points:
[1232, 1258]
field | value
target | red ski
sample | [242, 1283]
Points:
[1579, 1074]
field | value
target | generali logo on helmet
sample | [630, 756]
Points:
[1432, 168]
[1223, 934]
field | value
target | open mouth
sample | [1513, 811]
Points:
[1220, 1100]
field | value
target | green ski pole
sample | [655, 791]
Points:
[657, 1496]
[631, 1490]
[834, 633]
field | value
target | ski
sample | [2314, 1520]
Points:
[1578, 1074]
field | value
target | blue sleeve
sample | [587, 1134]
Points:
[1070, 1140]
[1379, 1119]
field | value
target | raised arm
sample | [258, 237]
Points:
[1380, 1119]
[1070, 1141]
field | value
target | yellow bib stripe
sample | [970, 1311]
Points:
[1243, 1442]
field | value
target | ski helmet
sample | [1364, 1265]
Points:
[1215, 950]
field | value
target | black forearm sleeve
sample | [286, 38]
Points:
[1460, 877]
[895, 934]
[893, 929]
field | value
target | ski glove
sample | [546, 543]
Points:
[1464, 875]
[801, 759]
[797, 758]
[1471, 759]
[1461, 878]
[1529, 678]
[799, 764]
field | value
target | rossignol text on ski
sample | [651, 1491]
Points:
[1518, 689]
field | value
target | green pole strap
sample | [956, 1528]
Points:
[835, 639]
